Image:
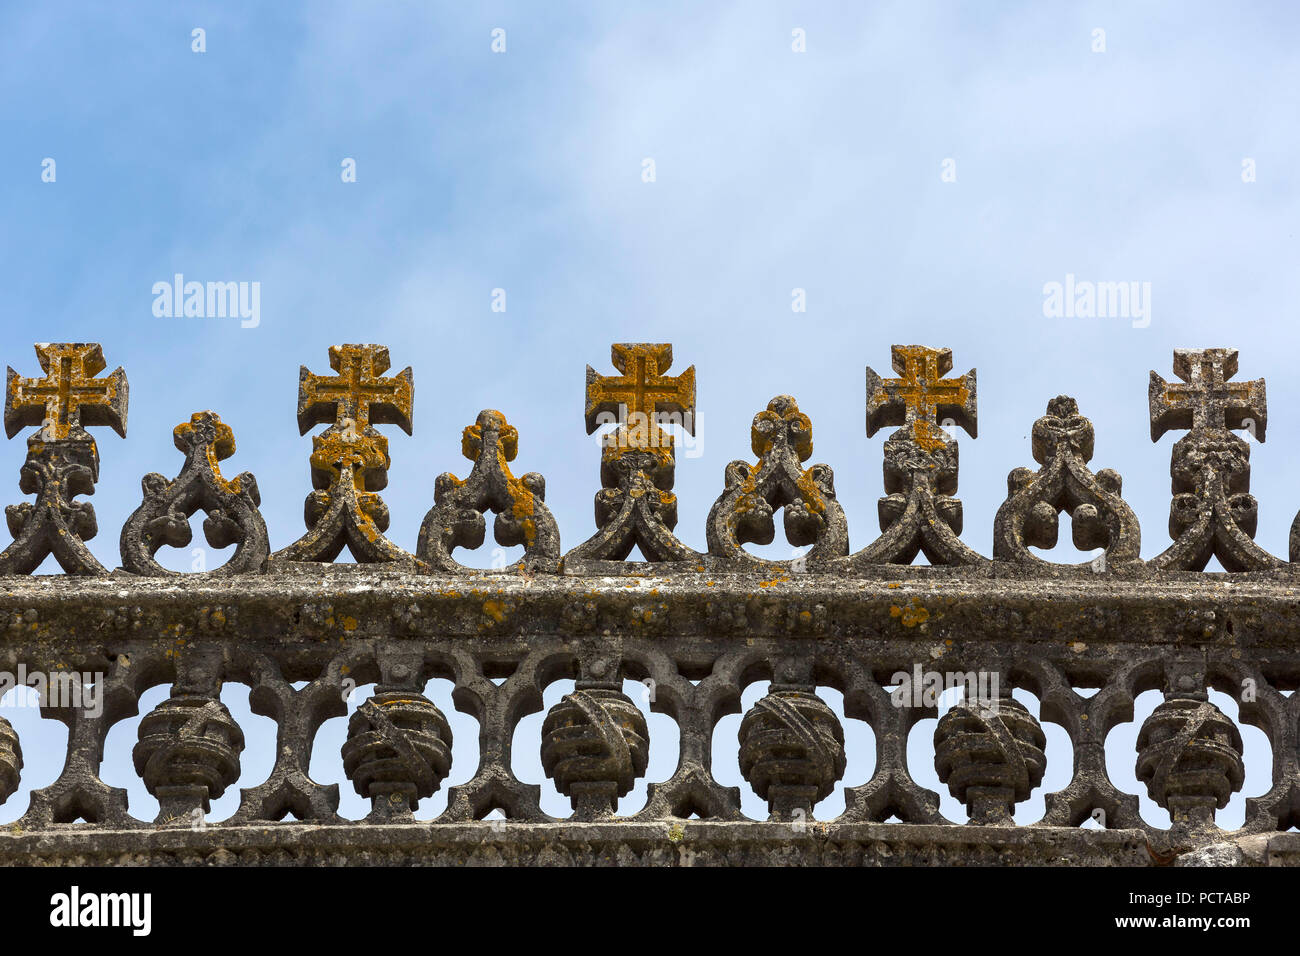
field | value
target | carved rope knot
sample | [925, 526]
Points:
[791, 750]
[990, 753]
[188, 751]
[1190, 757]
[594, 746]
[11, 760]
[398, 747]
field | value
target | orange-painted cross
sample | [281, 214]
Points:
[921, 396]
[640, 392]
[1207, 400]
[69, 396]
[357, 394]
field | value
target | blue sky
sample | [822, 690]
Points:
[775, 170]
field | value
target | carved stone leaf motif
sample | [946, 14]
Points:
[919, 513]
[781, 437]
[231, 504]
[349, 460]
[1213, 513]
[62, 458]
[522, 518]
[636, 506]
[1063, 444]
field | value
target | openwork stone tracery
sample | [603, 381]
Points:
[692, 630]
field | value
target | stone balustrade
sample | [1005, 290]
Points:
[695, 629]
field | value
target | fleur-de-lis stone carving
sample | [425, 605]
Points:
[1063, 444]
[230, 504]
[456, 519]
[781, 437]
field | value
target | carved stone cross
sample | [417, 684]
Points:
[69, 396]
[921, 396]
[638, 394]
[1208, 401]
[357, 394]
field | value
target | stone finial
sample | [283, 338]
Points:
[231, 504]
[922, 398]
[1212, 513]
[1100, 518]
[69, 396]
[62, 458]
[635, 506]
[781, 437]
[456, 519]
[349, 460]
[919, 512]
[637, 397]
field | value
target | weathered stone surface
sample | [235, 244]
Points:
[230, 504]
[696, 630]
[636, 507]
[781, 437]
[349, 460]
[11, 760]
[522, 518]
[919, 512]
[62, 458]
